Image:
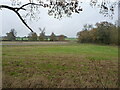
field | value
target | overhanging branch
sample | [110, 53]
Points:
[22, 7]
[23, 21]
[16, 9]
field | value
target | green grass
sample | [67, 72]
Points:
[71, 39]
[73, 65]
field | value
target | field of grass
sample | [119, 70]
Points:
[60, 66]
[71, 39]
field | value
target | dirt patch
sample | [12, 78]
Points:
[34, 43]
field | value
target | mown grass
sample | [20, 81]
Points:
[60, 66]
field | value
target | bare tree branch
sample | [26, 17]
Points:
[23, 21]
[22, 7]
[16, 11]
[59, 8]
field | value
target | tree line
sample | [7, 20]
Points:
[32, 36]
[102, 33]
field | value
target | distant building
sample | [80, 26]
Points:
[58, 38]
[4, 38]
[61, 38]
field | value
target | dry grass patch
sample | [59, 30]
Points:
[37, 67]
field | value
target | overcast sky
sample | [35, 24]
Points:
[67, 26]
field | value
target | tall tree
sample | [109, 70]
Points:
[104, 33]
[87, 27]
[32, 36]
[52, 37]
[11, 35]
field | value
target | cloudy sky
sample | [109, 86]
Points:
[68, 26]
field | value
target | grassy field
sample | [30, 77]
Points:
[60, 66]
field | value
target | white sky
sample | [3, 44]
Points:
[67, 26]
